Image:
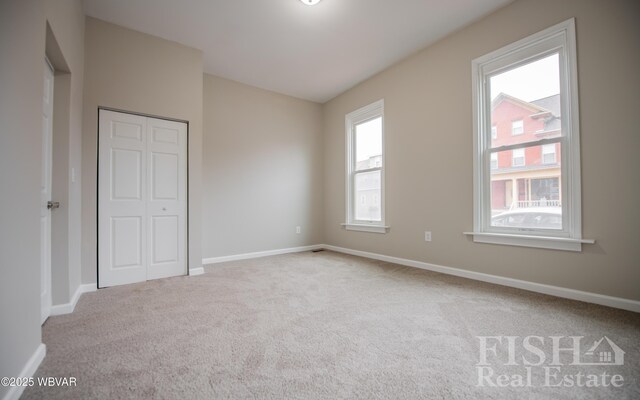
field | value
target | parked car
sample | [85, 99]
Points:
[534, 218]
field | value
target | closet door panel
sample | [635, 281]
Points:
[122, 193]
[167, 205]
[142, 204]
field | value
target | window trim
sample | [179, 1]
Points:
[560, 39]
[354, 118]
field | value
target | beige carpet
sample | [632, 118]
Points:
[316, 326]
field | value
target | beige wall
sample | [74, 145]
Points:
[428, 133]
[22, 49]
[262, 169]
[22, 32]
[132, 71]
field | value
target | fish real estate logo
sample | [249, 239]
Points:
[553, 361]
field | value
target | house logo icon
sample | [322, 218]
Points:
[604, 352]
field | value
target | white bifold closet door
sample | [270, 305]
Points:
[142, 204]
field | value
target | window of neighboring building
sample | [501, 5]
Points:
[494, 132]
[545, 189]
[517, 157]
[549, 153]
[534, 79]
[517, 127]
[365, 168]
[494, 160]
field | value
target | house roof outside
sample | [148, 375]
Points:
[547, 105]
[530, 105]
[551, 103]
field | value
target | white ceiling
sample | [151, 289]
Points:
[310, 52]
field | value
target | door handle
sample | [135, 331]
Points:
[52, 205]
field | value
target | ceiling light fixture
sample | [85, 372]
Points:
[310, 2]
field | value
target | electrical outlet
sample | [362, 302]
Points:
[427, 236]
[298, 230]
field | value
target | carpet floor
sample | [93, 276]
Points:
[325, 326]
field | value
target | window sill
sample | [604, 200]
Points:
[366, 228]
[542, 242]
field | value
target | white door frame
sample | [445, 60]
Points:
[101, 108]
[45, 193]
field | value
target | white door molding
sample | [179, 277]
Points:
[45, 194]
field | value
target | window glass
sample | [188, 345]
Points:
[549, 153]
[369, 144]
[526, 99]
[494, 160]
[517, 127]
[513, 189]
[367, 186]
[518, 159]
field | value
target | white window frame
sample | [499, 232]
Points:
[513, 127]
[560, 39]
[494, 132]
[362, 115]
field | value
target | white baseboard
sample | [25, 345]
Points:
[257, 254]
[610, 301]
[67, 308]
[196, 271]
[29, 369]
